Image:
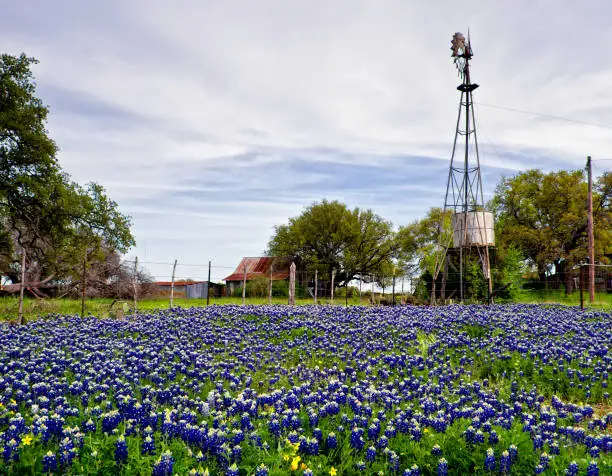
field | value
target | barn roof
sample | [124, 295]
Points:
[259, 267]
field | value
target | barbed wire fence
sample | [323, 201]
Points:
[182, 283]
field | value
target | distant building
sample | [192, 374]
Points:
[257, 268]
[191, 289]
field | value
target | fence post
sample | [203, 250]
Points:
[292, 284]
[581, 286]
[244, 283]
[134, 283]
[21, 286]
[208, 285]
[393, 290]
[332, 284]
[270, 284]
[360, 289]
[172, 285]
[83, 284]
[316, 285]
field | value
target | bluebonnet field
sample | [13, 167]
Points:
[310, 390]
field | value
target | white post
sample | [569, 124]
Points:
[360, 290]
[316, 285]
[172, 285]
[292, 284]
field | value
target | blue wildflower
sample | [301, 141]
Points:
[121, 450]
[442, 467]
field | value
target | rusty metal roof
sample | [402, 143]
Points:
[259, 267]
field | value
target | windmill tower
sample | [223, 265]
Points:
[472, 226]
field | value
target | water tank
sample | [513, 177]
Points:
[480, 231]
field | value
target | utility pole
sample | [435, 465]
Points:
[316, 285]
[591, 236]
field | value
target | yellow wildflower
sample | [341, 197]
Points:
[286, 457]
[295, 462]
[27, 440]
[425, 430]
[303, 466]
[333, 471]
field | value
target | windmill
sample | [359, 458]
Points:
[472, 225]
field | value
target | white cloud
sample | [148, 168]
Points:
[231, 99]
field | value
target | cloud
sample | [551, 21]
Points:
[211, 122]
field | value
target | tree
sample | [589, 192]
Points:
[44, 215]
[544, 217]
[328, 236]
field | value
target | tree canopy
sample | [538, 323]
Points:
[544, 216]
[328, 236]
[45, 215]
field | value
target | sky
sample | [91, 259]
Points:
[211, 122]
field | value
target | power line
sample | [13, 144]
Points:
[549, 116]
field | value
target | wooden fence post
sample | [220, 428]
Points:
[21, 286]
[172, 285]
[244, 283]
[292, 284]
[135, 284]
[84, 284]
[208, 285]
[270, 285]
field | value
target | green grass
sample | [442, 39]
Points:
[34, 308]
[558, 296]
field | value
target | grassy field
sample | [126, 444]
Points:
[34, 308]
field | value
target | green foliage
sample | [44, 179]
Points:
[544, 216]
[56, 221]
[328, 236]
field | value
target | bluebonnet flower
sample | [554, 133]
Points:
[513, 450]
[593, 469]
[572, 469]
[262, 470]
[164, 465]
[356, 439]
[370, 454]
[331, 441]
[442, 467]
[360, 466]
[594, 452]
[505, 462]
[414, 470]
[121, 450]
[49, 462]
[493, 438]
[148, 445]
[232, 470]
[489, 462]
[10, 451]
[539, 469]
[436, 450]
